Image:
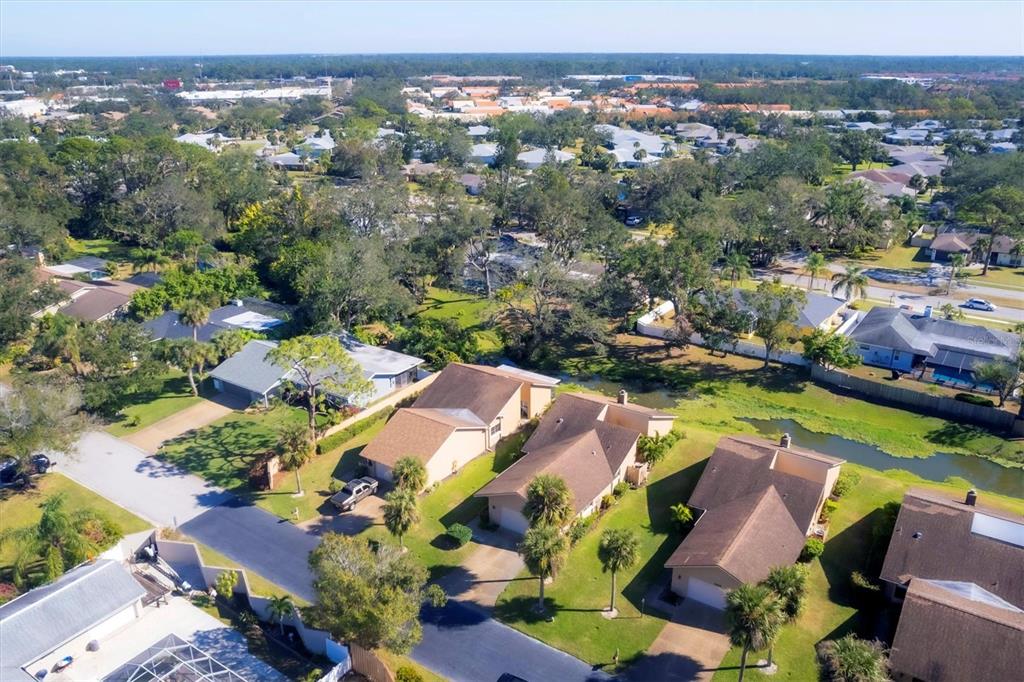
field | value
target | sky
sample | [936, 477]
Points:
[209, 27]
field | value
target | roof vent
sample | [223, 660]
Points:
[972, 497]
[559, 420]
[917, 535]
[786, 440]
[237, 303]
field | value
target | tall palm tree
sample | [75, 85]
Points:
[815, 267]
[852, 282]
[619, 549]
[294, 449]
[790, 584]
[956, 262]
[737, 267]
[548, 501]
[195, 314]
[754, 614]
[544, 549]
[401, 512]
[229, 342]
[409, 474]
[280, 607]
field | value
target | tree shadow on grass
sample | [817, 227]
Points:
[852, 550]
[955, 435]
[220, 453]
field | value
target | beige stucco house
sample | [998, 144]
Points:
[755, 505]
[587, 440]
[460, 416]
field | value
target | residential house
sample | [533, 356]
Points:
[251, 375]
[945, 244]
[417, 170]
[755, 503]
[626, 142]
[245, 313]
[483, 152]
[886, 183]
[696, 131]
[308, 151]
[90, 300]
[958, 568]
[820, 311]
[212, 142]
[1007, 251]
[587, 440]
[461, 415]
[894, 339]
[535, 158]
[473, 183]
[913, 136]
[478, 131]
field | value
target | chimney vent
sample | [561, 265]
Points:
[623, 397]
[972, 497]
[786, 440]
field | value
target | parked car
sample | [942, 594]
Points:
[979, 304]
[11, 472]
[633, 220]
[354, 491]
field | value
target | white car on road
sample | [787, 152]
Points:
[979, 304]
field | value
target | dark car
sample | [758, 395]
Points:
[11, 471]
[354, 491]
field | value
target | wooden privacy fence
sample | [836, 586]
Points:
[366, 663]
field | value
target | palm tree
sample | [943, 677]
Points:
[754, 614]
[195, 314]
[790, 584]
[229, 342]
[852, 282]
[618, 549]
[280, 607]
[409, 474]
[60, 338]
[956, 262]
[148, 259]
[548, 501]
[815, 267]
[401, 512]
[737, 267]
[543, 549]
[294, 448]
[951, 312]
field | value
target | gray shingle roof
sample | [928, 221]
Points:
[169, 326]
[250, 369]
[38, 622]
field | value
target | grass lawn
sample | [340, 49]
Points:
[452, 502]
[260, 585]
[174, 395]
[394, 662]
[469, 310]
[223, 452]
[316, 478]
[899, 257]
[1002, 277]
[20, 509]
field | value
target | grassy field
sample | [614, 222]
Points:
[899, 257]
[470, 311]
[20, 509]
[223, 452]
[174, 395]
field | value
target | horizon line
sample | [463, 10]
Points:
[510, 53]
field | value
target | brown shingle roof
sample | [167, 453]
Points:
[414, 433]
[947, 549]
[100, 299]
[741, 466]
[746, 537]
[944, 636]
[470, 387]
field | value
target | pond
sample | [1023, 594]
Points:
[940, 466]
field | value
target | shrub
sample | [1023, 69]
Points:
[247, 620]
[652, 449]
[812, 550]
[345, 435]
[851, 658]
[827, 510]
[459, 533]
[7, 592]
[861, 581]
[407, 674]
[335, 486]
[972, 399]
[579, 528]
[225, 583]
[620, 489]
[846, 482]
[608, 501]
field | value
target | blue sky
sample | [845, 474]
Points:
[152, 27]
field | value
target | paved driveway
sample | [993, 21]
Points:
[690, 647]
[158, 492]
[193, 417]
[368, 512]
[486, 571]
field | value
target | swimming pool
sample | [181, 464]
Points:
[962, 378]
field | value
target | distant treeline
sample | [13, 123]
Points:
[529, 66]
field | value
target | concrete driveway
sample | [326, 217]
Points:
[159, 492]
[486, 571]
[690, 647]
[193, 417]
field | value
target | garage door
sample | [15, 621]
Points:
[705, 593]
[509, 519]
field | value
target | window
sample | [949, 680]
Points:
[496, 429]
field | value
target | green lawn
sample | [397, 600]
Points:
[469, 310]
[260, 585]
[1002, 277]
[453, 502]
[224, 451]
[20, 509]
[173, 395]
[900, 257]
